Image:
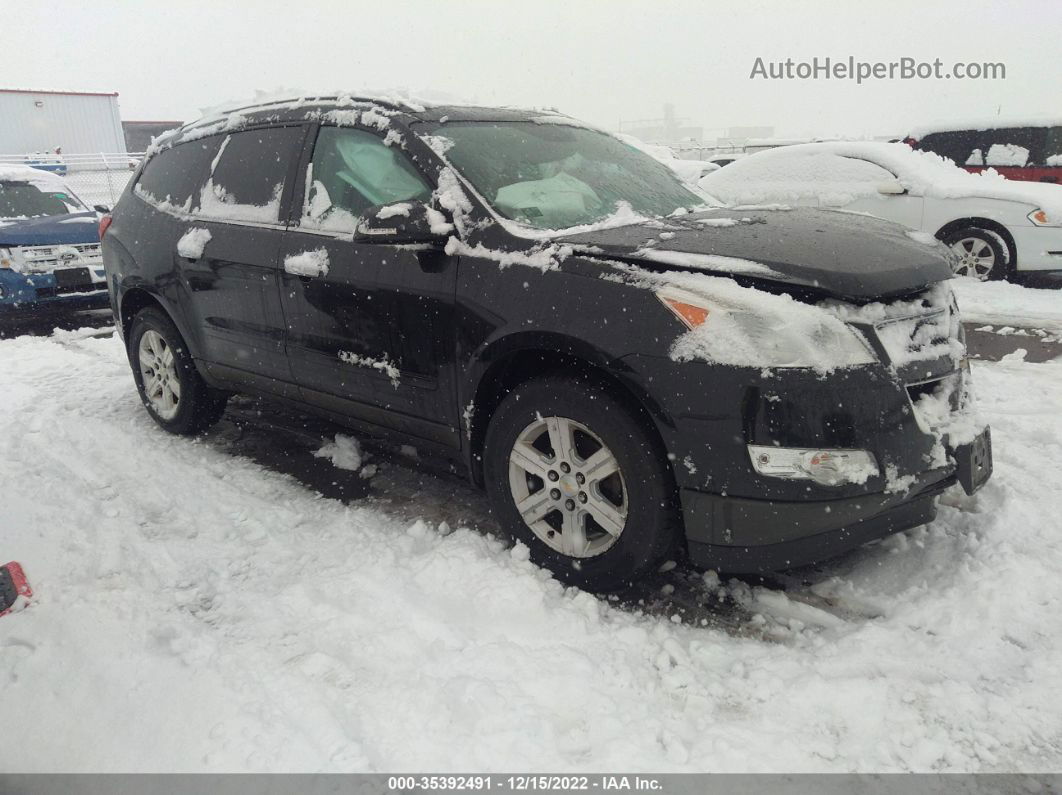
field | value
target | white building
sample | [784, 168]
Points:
[43, 120]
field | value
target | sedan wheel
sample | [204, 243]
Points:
[568, 487]
[162, 385]
[976, 257]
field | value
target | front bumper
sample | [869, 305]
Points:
[1039, 247]
[22, 295]
[739, 521]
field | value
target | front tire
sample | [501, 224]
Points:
[170, 387]
[576, 475]
[979, 253]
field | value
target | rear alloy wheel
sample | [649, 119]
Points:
[978, 253]
[171, 388]
[158, 371]
[579, 477]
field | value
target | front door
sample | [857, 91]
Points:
[370, 326]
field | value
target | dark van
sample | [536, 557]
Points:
[632, 374]
[1032, 153]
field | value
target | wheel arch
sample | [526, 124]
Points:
[522, 357]
[134, 299]
[983, 223]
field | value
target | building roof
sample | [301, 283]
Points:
[57, 91]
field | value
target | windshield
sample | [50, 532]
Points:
[27, 200]
[554, 176]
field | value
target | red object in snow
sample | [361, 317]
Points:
[13, 584]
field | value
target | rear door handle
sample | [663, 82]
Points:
[308, 265]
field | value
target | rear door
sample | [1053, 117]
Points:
[370, 325]
[228, 254]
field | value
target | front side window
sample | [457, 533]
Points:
[353, 170]
[554, 176]
[29, 200]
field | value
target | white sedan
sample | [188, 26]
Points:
[997, 228]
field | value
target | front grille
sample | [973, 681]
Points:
[45, 259]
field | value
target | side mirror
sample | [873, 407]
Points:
[402, 222]
[892, 187]
[102, 209]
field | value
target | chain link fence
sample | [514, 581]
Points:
[97, 178]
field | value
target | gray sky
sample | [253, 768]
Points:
[602, 61]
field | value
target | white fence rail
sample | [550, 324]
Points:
[96, 178]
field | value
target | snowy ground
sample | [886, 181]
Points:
[236, 603]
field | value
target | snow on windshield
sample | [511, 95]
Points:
[558, 176]
[28, 193]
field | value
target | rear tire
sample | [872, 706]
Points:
[979, 253]
[170, 387]
[601, 513]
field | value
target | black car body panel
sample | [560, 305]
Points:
[839, 254]
[446, 330]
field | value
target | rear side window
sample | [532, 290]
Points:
[174, 175]
[1053, 149]
[963, 147]
[249, 174]
[353, 170]
[1014, 147]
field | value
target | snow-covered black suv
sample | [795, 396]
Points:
[631, 373]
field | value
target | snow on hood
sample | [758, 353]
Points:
[70, 228]
[840, 254]
[831, 174]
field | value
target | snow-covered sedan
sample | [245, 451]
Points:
[996, 228]
[49, 246]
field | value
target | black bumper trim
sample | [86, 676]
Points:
[746, 536]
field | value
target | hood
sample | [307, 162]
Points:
[840, 254]
[50, 229]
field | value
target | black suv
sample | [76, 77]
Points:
[631, 373]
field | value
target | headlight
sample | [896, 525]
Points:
[746, 327]
[828, 467]
[1041, 218]
[5, 258]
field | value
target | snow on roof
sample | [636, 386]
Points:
[36, 176]
[832, 173]
[994, 123]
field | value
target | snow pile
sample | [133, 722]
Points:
[400, 210]
[311, 263]
[45, 180]
[344, 453]
[1006, 304]
[193, 242]
[382, 363]
[270, 629]
[708, 262]
[542, 257]
[923, 328]
[836, 173]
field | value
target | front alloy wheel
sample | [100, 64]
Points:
[568, 487]
[577, 473]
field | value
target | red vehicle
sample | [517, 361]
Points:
[1030, 152]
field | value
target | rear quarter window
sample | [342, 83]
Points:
[175, 175]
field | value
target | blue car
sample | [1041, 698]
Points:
[49, 247]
